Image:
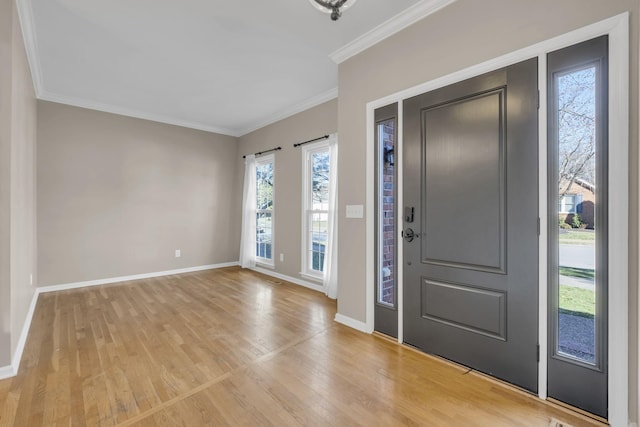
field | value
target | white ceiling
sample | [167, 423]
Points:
[225, 66]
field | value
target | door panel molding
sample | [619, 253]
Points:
[489, 317]
[485, 237]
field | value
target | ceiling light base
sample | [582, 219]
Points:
[332, 7]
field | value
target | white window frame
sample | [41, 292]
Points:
[563, 204]
[307, 204]
[260, 161]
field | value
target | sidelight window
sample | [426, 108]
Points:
[576, 124]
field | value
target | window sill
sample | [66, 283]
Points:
[312, 277]
[265, 265]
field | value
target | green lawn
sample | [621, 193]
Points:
[582, 273]
[578, 237]
[577, 300]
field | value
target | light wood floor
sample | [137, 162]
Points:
[233, 347]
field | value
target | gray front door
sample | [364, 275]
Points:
[471, 223]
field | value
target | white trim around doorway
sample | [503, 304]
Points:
[617, 28]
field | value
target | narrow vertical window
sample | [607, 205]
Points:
[578, 196]
[386, 176]
[264, 210]
[386, 208]
[576, 192]
[315, 207]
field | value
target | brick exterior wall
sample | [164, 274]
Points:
[389, 220]
[588, 205]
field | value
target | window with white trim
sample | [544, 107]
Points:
[315, 207]
[264, 209]
[570, 203]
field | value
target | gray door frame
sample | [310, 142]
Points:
[617, 27]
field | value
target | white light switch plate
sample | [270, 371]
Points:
[355, 211]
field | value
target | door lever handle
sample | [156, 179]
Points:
[409, 235]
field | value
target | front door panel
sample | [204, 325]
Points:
[471, 271]
[464, 151]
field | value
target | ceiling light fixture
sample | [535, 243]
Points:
[334, 7]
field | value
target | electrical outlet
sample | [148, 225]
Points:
[31, 279]
[178, 254]
[281, 257]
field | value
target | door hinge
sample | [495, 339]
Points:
[538, 100]
[538, 226]
[538, 353]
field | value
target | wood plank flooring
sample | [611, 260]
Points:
[234, 347]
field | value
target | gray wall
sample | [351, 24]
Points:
[118, 195]
[6, 37]
[17, 182]
[310, 124]
[463, 34]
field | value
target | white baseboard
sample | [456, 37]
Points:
[12, 370]
[17, 356]
[76, 285]
[353, 323]
[310, 285]
[347, 321]
[7, 372]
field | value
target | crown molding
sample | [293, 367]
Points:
[129, 112]
[399, 22]
[25, 16]
[295, 109]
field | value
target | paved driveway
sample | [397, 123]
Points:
[578, 256]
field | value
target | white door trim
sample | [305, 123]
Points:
[617, 28]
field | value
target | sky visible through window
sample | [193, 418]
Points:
[576, 103]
